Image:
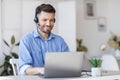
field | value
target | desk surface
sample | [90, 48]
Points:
[113, 77]
[107, 76]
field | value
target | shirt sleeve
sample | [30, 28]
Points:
[24, 62]
[65, 47]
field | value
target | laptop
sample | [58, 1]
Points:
[63, 64]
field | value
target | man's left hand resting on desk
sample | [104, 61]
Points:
[34, 70]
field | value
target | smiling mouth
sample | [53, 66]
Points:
[48, 28]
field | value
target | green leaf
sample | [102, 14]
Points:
[4, 73]
[8, 68]
[6, 43]
[95, 62]
[81, 47]
[6, 65]
[96, 65]
[92, 61]
[14, 55]
[12, 40]
[99, 62]
[7, 58]
[17, 44]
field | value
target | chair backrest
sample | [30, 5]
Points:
[14, 63]
[109, 63]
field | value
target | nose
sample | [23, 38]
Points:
[48, 23]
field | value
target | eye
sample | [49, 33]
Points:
[44, 20]
[52, 20]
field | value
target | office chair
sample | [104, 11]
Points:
[14, 63]
[109, 63]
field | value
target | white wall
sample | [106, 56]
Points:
[11, 22]
[0, 27]
[67, 23]
[28, 11]
[114, 16]
[2, 57]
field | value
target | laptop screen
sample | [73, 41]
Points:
[63, 64]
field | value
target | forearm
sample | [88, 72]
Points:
[34, 70]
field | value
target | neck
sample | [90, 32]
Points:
[43, 35]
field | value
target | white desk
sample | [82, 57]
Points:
[116, 76]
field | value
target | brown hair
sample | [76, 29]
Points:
[43, 7]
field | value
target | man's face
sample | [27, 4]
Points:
[46, 21]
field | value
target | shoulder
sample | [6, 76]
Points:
[30, 35]
[27, 36]
[57, 37]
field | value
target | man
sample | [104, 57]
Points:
[33, 46]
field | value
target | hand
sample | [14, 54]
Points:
[42, 70]
[34, 70]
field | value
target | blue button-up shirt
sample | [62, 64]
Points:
[32, 49]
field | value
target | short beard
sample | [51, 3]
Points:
[45, 32]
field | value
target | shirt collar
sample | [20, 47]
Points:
[36, 34]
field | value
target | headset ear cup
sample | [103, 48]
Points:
[36, 20]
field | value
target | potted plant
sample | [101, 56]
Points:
[96, 63]
[114, 42]
[7, 68]
[80, 46]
